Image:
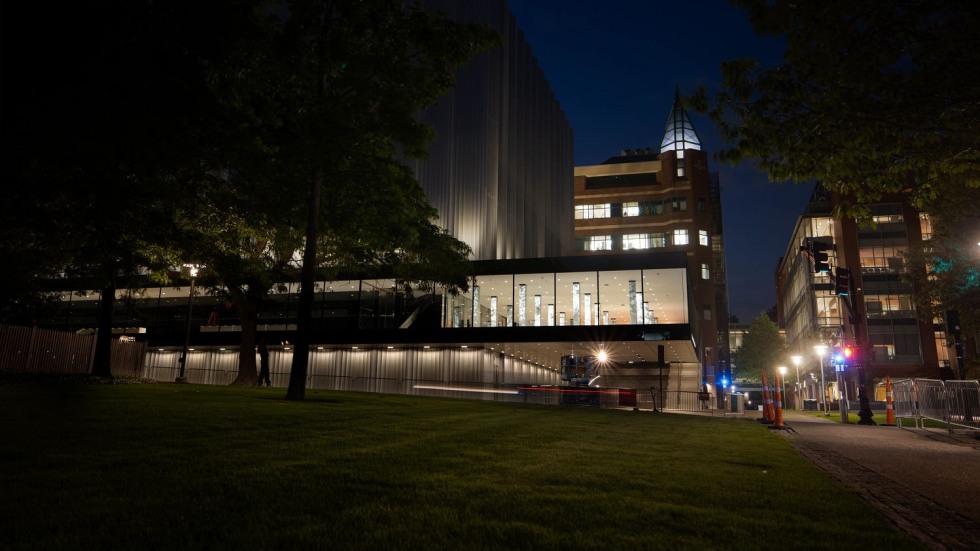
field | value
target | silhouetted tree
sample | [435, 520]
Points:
[762, 349]
[871, 98]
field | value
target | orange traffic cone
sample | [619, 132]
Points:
[766, 401]
[889, 405]
[779, 406]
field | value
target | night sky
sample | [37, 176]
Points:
[614, 67]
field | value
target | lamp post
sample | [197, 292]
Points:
[181, 377]
[796, 361]
[821, 349]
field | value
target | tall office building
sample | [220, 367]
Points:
[863, 301]
[648, 202]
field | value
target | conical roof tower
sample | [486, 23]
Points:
[679, 134]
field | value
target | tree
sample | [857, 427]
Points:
[945, 269]
[194, 133]
[762, 348]
[335, 105]
[100, 110]
[871, 98]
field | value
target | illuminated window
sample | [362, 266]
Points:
[636, 241]
[925, 225]
[680, 237]
[599, 243]
[705, 271]
[585, 212]
[631, 209]
[703, 238]
[678, 204]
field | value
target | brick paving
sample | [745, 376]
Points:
[893, 469]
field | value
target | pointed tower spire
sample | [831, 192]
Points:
[679, 134]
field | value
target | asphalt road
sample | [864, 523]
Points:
[925, 481]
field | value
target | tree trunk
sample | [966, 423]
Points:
[304, 315]
[247, 375]
[102, 361]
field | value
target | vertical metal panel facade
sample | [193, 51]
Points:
[500, 171]
[390, 371]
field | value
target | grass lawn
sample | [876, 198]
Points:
[178, 467]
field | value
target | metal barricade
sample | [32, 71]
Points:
[932, 399]
[963, 399]
[954, 403]
[903, 401]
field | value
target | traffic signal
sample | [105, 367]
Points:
[820, 256]
[844, 356]
[842, 281]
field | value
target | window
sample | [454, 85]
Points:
[658, 240]
[678, 204]
[707, 313]
[701, 204]
[680, 237]
[925, 225]
[887, 214]
[636, 241]
[703, 237]
[680, 163]
[651, 207]
[705, 271]
[631, 209]
[879, 259]
[585, 212]
[599, 243]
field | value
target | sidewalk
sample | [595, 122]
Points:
[923, 480]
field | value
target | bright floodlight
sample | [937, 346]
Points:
[821, 349]
[782, 370]
[603, 356]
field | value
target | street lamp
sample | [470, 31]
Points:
[821, 349]
[797, 360]
[181, 377]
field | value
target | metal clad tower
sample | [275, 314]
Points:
[500, 170]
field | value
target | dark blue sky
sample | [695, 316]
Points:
[614, 66]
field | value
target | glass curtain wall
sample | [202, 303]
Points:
[627, 297]
[621, 297]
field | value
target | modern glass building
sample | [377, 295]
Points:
[877, 313]
[537, 313]
[517, 326]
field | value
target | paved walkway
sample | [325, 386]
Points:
[923, 480]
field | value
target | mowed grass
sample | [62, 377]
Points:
[163, 466]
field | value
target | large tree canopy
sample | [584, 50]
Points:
[150, 134]
[871, 98]
[101, 106]
[877, 101]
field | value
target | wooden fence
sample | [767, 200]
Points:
[34, 350]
